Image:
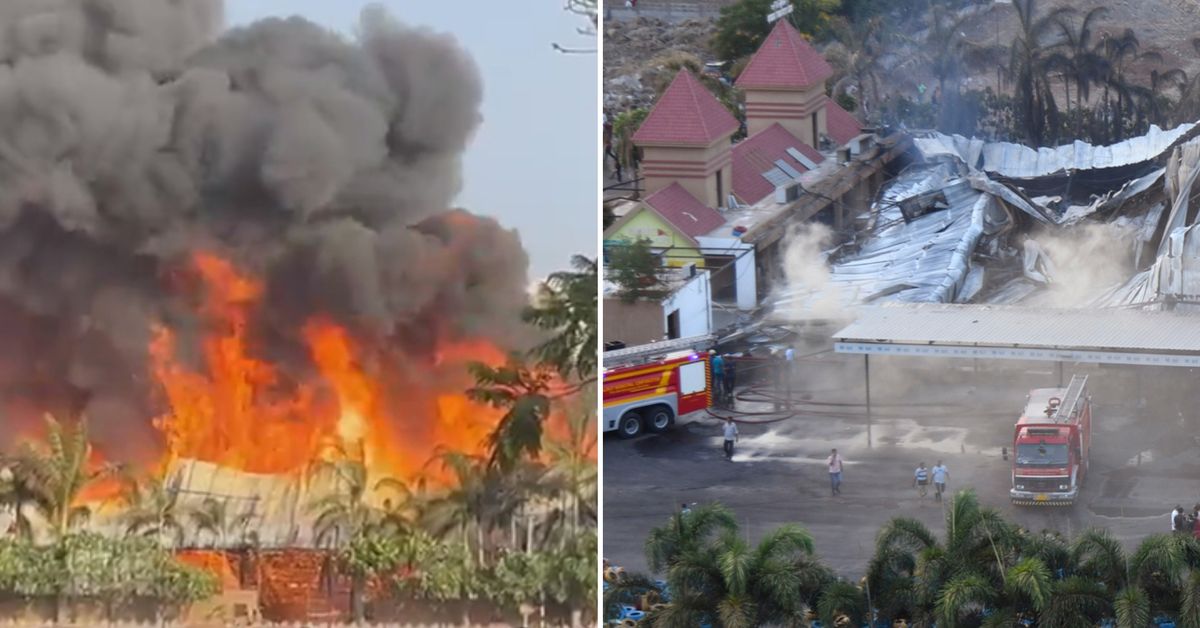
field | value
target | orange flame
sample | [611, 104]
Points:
[241, 412]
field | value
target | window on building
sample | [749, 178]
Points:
[673, 325]
[816, 141]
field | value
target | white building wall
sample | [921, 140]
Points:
[694, 302]
[745, 270]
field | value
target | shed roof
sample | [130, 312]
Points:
[757, 154]
[1106, 336]
[841, 125]
[685, 212]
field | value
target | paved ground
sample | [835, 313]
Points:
[1143, 462]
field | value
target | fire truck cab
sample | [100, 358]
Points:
[1050, 445]
[645, 391]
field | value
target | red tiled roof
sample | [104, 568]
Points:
[758, 153]
[840, 125]
[678, 207]
[687, 113]
[785, 61]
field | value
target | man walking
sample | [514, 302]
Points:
[835, 473]
[731, 437]
[1178, 520]
[921, 478]
[940, 473]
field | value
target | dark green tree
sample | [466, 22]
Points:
[636, 270]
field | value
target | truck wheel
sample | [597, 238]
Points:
[659, 419]
[630, 425]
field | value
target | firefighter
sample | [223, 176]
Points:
[730, 379]
[718, 376]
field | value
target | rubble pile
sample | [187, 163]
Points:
[637, 51]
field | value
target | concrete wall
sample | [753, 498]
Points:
[645, 321]
[694, 304]
[695, 168]
[634, 323]
[790, 108]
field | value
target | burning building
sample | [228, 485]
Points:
[236, 248]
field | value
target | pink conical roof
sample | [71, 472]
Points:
[687, 113]
[785, 61]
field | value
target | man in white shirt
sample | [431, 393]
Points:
[731, 437]
[835, 473]
[940, 473]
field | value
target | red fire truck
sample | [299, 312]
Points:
[646, 388]
[1050, 445]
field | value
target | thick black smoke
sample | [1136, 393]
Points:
[130, 138]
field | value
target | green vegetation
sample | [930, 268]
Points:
[743, 25]
[984, 571]
[636, 269]
[90, 566]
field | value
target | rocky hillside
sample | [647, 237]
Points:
[636, 50]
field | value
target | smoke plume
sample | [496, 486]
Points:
[807, 273]
[133, 135]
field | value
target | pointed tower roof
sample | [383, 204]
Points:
[687, 113]
[784, 61]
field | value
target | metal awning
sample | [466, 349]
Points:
[1130, 337]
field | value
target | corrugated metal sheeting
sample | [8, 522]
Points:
[1021, 162]
[1016, 327]
[927, 259]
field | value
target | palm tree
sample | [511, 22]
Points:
[863, 47]
[345, 513]
[565, 307]
[15, 494]
[1080, 62]
[1188, 108]
[716, 577]
[523, 393]
[914, 575]
[572, 469]
[1029, 69]
[482, 499]
[153, 510]
[1119, 53]
[214, 517]
[57, 473]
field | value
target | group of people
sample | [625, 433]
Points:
[938, 474]
[1186, 523]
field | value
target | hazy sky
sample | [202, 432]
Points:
[533, 163]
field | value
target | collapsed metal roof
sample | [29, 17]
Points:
[931, 256]
[923, 259]
[1017, 161]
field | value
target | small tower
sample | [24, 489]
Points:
[686, 140]
[785, 83]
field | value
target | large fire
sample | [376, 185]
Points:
[241, 411]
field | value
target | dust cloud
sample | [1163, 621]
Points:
[1088, 259]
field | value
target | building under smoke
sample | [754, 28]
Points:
[137, 138]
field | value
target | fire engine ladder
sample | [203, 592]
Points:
[1070, 402]
[619, 357]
